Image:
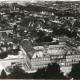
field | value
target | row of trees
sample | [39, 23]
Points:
[50, 72]
[64, 31]
[75, 72]
[61, 31]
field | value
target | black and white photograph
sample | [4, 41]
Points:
[40, 39]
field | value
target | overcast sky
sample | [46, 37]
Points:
[39, 0]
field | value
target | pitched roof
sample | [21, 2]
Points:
[28, 48]
[73, 42]
[7, 39]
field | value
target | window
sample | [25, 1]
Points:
[52, 57]
[68, 56]
[36, 59]
[67, 64]
[60, 60]
[33, 60]
[44, 59]
[76, 56]
[73, 60]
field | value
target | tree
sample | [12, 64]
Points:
[18, 47]
[17, 73]
[3, 74]
[44, 39]
[51, 72]
[41, 33]
[2, 44]
[3, 55]
[47, 39]
[75, 72]
[76, 23]
[39, 74]
[21, 32]
[15, 29]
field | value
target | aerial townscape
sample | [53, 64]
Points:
[40, 40]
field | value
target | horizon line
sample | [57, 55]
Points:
[34, 0]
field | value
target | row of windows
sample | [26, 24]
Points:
[53, 57]
[63, 64]
[37, 67]
[55, 48]
[68, 60]
[58, 60]
[40, 59]
[78, 59]
[72, 60]
[73, 56]
[68, 63]
[40, 63]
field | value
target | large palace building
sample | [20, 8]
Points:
[39, 55]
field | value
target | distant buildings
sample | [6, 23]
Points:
[45, 17]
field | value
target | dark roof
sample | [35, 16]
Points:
[4, 34]
[7, 39]
[28, 48]
[72, 42]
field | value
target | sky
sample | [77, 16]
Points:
[38, 0]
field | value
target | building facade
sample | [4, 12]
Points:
[40, 55]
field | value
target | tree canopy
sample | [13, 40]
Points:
[17, 73]
[3, 74]
[75, 72]
[51, 72]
